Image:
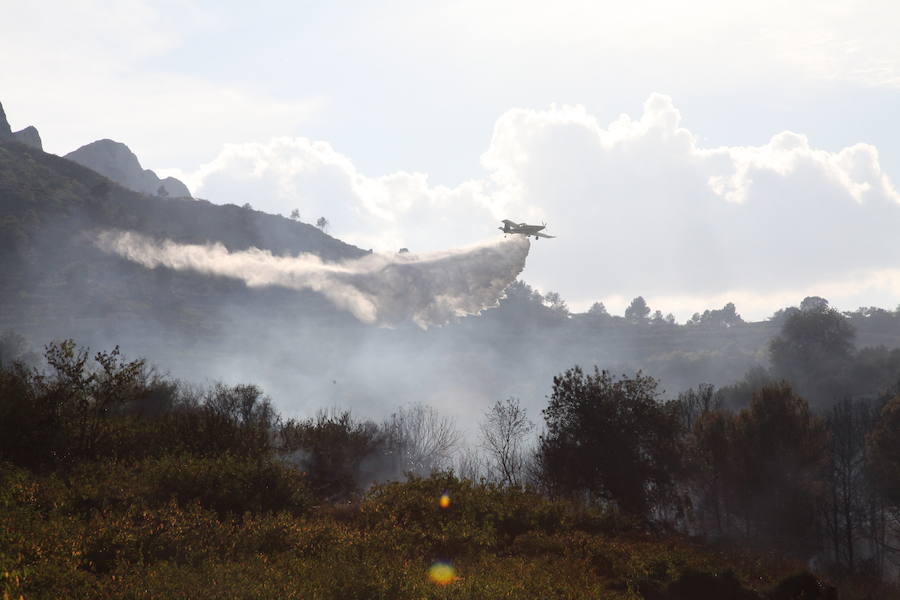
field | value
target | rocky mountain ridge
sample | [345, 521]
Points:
[116, 161]
[28, 136]
[111, 159]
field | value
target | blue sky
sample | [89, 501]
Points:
[398, 121]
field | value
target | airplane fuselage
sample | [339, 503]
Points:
[523, 229]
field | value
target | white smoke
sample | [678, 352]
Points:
[429, 289]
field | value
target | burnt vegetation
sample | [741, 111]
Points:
[117, 479]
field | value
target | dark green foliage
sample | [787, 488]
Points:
[724, 317]
[31, 430]
[883, 446]
[337, 453]
[610, 438]
[108, 407]
[64, 416]
[226, 484]
[242, 404]
[481, 517]
[813, 351]
[850, 503]
[761, 472]
[738, 395]
[637, 311]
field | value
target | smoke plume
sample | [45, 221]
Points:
[429, 289]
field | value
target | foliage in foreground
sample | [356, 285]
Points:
[502, 543]
[117, 484]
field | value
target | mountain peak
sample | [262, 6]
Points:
[28, 136]
[5, 130]
[116, 161]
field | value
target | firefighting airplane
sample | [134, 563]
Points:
[524, 229]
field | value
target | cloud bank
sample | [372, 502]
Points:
[429, 289]
[640, 205]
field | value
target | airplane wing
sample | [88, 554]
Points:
[538, 233]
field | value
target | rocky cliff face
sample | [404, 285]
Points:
[5, 130]
[117, 162]
[28, 136]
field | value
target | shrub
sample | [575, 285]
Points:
[227, 484]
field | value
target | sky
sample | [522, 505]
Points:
[695, 153]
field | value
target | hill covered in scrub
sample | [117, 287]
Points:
[55, 280]
[118, 483]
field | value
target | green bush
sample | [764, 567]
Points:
[481, 517]
[227, 484]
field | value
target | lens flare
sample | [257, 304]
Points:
[442, 573]
[445, 500]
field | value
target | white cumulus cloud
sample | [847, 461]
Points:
[639, 205]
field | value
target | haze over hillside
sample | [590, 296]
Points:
[305, 348]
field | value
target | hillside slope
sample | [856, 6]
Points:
[55, 282]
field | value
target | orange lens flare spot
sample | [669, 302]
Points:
[442, 573]
[445, 500]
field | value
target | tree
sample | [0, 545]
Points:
[339, 454]
[610, 439]
[162, 192]
[813, 351]
[503, 436]
[598, 310]
[694, 403]
[65, 414]
[322, 223]
[244, 404]
[524, 307]
[556, 304]
[724, 317]
[637, 311]
[848, 519]
[710, 456]
[883, 447]
[247, 206]
[469, 464]
[420, 440]
[814, 304]
[295, 214]
[766, 466]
